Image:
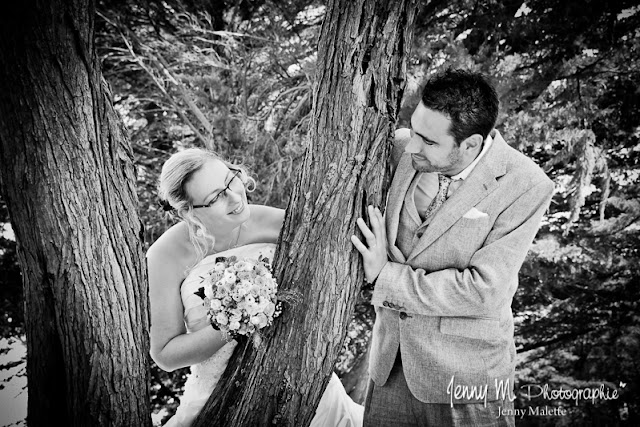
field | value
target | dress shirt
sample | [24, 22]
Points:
[427, 185]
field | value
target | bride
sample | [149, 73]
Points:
[209, 195]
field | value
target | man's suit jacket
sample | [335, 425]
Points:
[447, 305]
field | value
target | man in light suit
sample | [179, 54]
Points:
[462, 211]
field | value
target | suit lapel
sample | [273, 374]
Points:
[480, 183]
[401, 181]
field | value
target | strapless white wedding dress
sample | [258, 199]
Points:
[336, 409]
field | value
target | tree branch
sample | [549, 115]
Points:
[160, 64]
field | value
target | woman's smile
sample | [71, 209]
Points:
[238, 210]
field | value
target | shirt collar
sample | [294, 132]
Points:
[465, 173]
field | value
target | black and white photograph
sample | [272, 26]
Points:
[320, 213]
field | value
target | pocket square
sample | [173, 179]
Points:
[474, 213]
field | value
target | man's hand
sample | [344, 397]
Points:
[375, 256]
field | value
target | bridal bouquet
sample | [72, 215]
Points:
[240, 296]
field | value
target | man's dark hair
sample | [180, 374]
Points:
[467, 98]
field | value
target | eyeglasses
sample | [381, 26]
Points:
[223, 192]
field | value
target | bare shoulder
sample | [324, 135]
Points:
[266, 222]
[172, 252]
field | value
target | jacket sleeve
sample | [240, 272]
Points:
[489, 281]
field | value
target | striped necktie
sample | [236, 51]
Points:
[443, 186]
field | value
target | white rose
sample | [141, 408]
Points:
[260, 320]
[222, 287]
[222, 319]
[229, 276]
[243, 266]
[262, 270]
[270, 309]
[234, 325]
[215, 304]
[252, 309]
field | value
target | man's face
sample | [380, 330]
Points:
[432, 147]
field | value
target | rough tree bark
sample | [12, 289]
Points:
[359, 81]
[69, 183]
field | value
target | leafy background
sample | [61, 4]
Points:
[236, 77]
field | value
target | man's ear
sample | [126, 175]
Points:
[472, 143]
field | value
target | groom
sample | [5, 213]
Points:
[462, 211]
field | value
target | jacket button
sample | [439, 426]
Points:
[403, 315]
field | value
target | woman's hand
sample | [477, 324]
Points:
[375, 255]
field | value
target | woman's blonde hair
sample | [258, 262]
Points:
[177, 171]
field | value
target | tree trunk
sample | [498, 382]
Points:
[69, 183]
[360, 72]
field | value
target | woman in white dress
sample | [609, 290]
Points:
[209, 195]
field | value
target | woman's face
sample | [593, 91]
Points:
[220, 194]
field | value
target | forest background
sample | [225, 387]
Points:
[236, 77]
